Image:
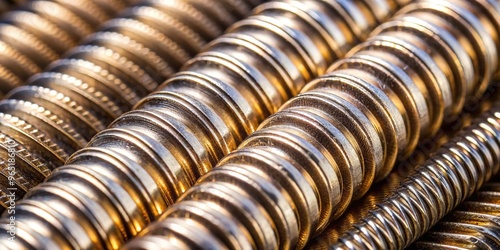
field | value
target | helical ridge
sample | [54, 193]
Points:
[474, 224]
[405, 167]
[39, 32]
[304, 164]
[62, 108]
[130, 173]
[446, 179]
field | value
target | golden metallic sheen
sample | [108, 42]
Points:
[474, 224]
[304, 165]
[405, 167]
[39, 32]
[62, 108]
[263, 139]
[449, 176]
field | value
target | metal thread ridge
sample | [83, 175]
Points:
[325, 147]
[474, 224]
[39, 32]
[130, 173]
[448, 177]
[404, 167]
[62, 108]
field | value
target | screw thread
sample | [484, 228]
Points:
[62, 108]
[130, 173]
[448, 177]
[38, 32]
[474, 224]
[325, 147]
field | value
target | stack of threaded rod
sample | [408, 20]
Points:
[59, 110]
[304, 164]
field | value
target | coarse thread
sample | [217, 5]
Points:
[452, 174]
[475, 224]
[39, 32]
[403, 168]
[130, 173]
[61, 108]
[304, 164]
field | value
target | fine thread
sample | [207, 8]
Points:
[474, 224]
[448, 177]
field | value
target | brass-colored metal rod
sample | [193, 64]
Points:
[359, 209]
[473, 225]
[448, 177]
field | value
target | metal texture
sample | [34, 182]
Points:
[39, 32]
[130, 173]
[449, 176]
[403, 168]
[473, 225]
[303, 166]
[62, 108]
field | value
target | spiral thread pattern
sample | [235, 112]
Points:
[403, 168]
[62, 108]
[474, 224]
[446, 179]
[39, 32]
[130, 173]
[324, 148]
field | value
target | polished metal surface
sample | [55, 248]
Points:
[298, 122]
[473, 225]
[404, 167]
[325, 147]
[38, 32]
[62, 108]
[448, 177]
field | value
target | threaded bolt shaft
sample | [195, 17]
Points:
[472, 225]
[452, 174]
[39, 32]
[304, 164]
[130, 173]
[62, 108]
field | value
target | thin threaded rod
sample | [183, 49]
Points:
[453, 173]
[474, 224]
[403, 168]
